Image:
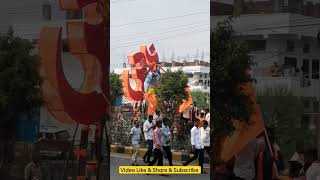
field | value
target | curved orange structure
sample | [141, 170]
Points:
[187, 103]
[140, 63]
[87, 41]
[244, 133]
[128, 91]
[144, 64]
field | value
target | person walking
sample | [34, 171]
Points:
[165, 139]
[135, 140]
[205, 136]
[197, 146]
[202, 116]
[157, 145]
[148, 127]
[156, 116]
[244, 167]
[207, 116]
[32, 170]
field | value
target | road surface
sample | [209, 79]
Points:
[117, 160]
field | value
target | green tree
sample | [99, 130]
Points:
[19, 85]
[116, 87]
[200, 98]
[282, 113]
[170, 92]
[229, 63]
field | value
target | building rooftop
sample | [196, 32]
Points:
[273, 24]
[185, 66]
[185, 63]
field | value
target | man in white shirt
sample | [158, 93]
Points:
[207, 116]
[313, 172]
[197, 146]
[157, 117]
[135, 140]
[148, 127]
[205, 136]
[244, 168]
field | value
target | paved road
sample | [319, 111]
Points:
[117, 160]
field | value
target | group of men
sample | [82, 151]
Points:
[158, 137]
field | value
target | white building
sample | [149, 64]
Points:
[290, 40]
[197, 71]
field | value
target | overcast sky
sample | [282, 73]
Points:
[179, 26]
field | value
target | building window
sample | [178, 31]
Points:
[315, 69]
[190, 75]
[305, 68]
[74, 15]
[205, 76]
[200, 75]
[306, 103]
[285, 3]
[209, 83]
[200, 82]
[290, 62]
[316, 106]
[256, 45]
[46, 11]
[306, 48]
[305, 121]
[290, 46]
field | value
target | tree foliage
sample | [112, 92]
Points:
[20, 84]
[19, 80]
[170, 92]
[283, 113]
[229, 64]
[116, 87]
[200, 98]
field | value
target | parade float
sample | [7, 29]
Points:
[146, 72]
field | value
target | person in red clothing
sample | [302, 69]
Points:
[157, 145]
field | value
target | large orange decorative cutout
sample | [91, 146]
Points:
[87, 40]
[141, 62]
[145, 71]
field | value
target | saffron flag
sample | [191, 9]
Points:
[245, 132]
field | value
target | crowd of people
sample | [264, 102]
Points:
[158, 136]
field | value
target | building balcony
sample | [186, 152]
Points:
[205, 89]
[309, 88]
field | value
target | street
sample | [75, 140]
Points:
[117, 160]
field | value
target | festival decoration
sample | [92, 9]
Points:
[145, 71]
[87, 42]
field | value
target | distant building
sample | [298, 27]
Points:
[291, 42]
[238, 7]
[197, 71]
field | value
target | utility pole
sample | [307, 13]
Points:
[163, 56]
[197, 54]
[318, 136]
[202, 56]
[124, 64]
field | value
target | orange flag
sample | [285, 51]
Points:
[187, 102]
[245, 132]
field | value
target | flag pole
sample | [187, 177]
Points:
[274, 166]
